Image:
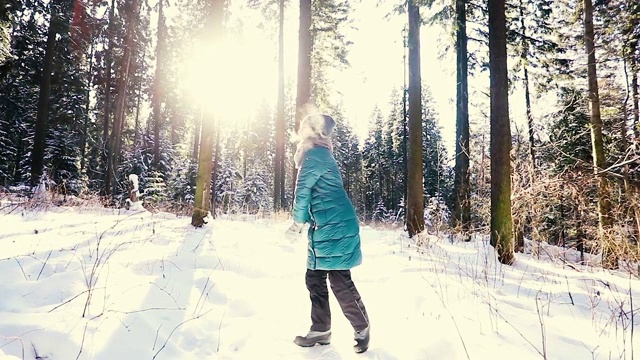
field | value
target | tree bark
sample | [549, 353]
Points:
[214, 175]
[121, 94]
[462, 205]
[500, 147]
[196, 135]
[636, 99]
[202, 201]
[107, 102]
[527, 91]
[40, 128]
[609, 259]
[405, 134]
[136, 126]
[278, 183]
[83, 140]
[415, 189]
[629, 191]
[203, 183]
[158, 85]
[305, 47]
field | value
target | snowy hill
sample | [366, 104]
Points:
[107, 284]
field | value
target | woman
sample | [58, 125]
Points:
[334, 239]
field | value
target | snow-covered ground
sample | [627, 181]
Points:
[89, 283]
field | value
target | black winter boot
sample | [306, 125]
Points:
[362, 340]
[314, 337]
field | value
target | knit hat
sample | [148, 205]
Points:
[319, 124]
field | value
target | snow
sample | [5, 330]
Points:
[133, 179]
[161, 289]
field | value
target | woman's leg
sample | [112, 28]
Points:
[320, 313]
[349, 299]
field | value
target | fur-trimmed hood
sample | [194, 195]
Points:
[315, 130]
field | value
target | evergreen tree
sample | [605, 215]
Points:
[203, 184]
[415, 188]
[329, 46]
[254, 193]
[371, 158]
[347, 154]
[398, 131]
[159, 85]
[58, 25]
[20, 87]
[462, 205]
[434, 155]
[609, 259]
[8, 9]
[305, 47]
[501, 225]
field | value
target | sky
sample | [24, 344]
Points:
[234, 289]
[249, 68]
[375, 56]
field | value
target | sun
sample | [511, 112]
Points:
[230, 79]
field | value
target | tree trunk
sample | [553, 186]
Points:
[136, 126]
[405, 136]
[500, 147]
[202, 202]
[203, 183]
[245, 151]
[278, 183]
[158, 85]
[527, 91]
[85, 127]
[214, 176]
[305, 46]
[629, 191]
[636, 99]
[107, 102]
[609, 259]
[121, 94]
[415, 197]
[140, 55]
[462, 205]
[520, 227]
[40, 129]
[196, 135]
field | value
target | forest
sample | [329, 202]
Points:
[177, 93]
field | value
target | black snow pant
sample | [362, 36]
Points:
[346, 293]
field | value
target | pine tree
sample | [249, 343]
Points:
[609, 259]
[41, 127]
[398, 131]
[279, 201]
[329, 47]
[415, 201]
[433, 150]
[305, 47]
[107, 102]
[8, 8]
[159, 84]
[530, 37]
[131, 9]
[501, 224]
[462, 204]
[20, 88]
[203, 184]
[371, 158]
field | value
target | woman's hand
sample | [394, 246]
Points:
[294, 231]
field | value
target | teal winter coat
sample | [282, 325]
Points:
[320, 200]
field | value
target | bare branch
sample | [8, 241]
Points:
[176, 328]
